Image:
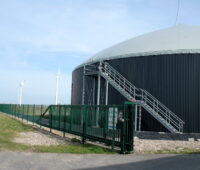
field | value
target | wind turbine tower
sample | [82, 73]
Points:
[21, 85]
[57, 85]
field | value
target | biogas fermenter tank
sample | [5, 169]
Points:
[166, 63]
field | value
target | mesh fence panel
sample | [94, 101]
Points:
[98, 123]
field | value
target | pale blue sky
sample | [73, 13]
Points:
[38, 35]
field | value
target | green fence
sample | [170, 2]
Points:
[26, 112]
[109, 124]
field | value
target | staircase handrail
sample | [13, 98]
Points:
[145, 96]
[90, 68]
[164, 115]
[110, 70]
[162, 106]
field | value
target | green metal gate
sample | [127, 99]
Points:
[109, 124]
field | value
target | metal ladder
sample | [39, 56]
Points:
[141, 97]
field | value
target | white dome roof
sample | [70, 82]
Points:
[177, 39]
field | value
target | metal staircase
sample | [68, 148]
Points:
[141, 97]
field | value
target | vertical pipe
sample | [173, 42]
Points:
[136, 112]
[98, 89]
[98, 98]
[94, 85]
[140, 116]
[83, 96]
[106, 92]
[83, 90]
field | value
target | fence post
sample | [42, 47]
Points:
[106, 121]
[33, 114]
[16, 115]
[59, 115]
[84, 113]
[122, 136]
[11, 110]
[22, 112]
[64, 126]
[127, 128]
[50, 120]
[14, 110]
[113, 130]
[71, 114]
[17, 111]
[27, 112]
[41, 112]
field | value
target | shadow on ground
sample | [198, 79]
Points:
[179, 162]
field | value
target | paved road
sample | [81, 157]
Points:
[47, 161]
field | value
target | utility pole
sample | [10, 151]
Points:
[21, 85]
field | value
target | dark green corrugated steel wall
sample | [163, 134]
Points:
[173, 79]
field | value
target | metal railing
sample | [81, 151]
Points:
[79, 120]
[90, 69]
[174, 123]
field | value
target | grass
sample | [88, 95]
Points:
[10, 128]
[80, 149]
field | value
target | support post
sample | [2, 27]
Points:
[136, 113]
[94, 87]
[106, 92]
[98, 99]
[140, 117]
[113, 130]
[83, 95]
[98, 89]
[83, 90]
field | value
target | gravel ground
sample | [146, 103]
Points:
[155, 141]
[142, 145]
[38, 138]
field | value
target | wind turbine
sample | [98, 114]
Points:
[57, 85]
[21, 85]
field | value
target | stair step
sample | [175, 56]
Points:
[128, 95]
